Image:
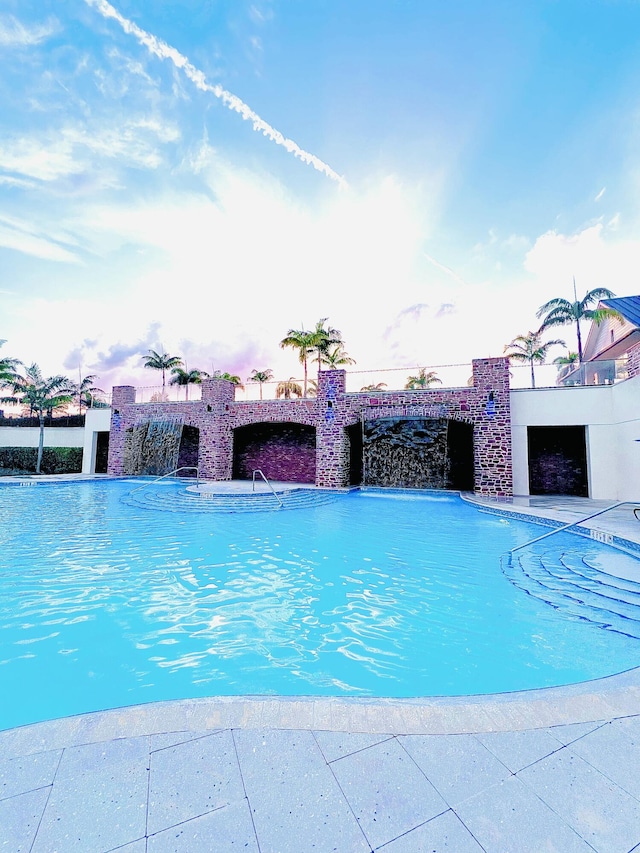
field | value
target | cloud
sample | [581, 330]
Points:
[600, 194]
[24, 237]
[13, 33]
[119, 354]
[162, 50]
[73, 149]
[595, 255]
[413, 311]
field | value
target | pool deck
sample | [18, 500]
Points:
[545, 770]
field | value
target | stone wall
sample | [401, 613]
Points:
[634, 361]
[216, 415]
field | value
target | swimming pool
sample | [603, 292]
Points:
[104, 604]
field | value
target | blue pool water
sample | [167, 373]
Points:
[104, 604]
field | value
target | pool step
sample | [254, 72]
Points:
[168, 498]
[565, 581]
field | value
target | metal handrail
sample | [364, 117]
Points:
[570, 524]
[253, 488]
[170, 474]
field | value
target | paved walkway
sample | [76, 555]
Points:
[542, 771]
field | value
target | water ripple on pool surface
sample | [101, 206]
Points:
[106, 604]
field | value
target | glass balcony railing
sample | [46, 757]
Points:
[594, 373]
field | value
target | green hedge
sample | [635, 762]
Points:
[55, 460]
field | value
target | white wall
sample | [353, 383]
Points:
[30, 436]
[96, 420]
[611, 414]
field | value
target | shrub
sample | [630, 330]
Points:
[55, 460]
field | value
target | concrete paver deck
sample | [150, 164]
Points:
[547, 770]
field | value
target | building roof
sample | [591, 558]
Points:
[628, 306]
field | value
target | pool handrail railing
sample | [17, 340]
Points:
[568, 525]
[170, 474]
[253, 487]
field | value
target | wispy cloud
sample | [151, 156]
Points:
[25, 238]
[13, 33]
[68, 151]
[162, 50]
[600, 194]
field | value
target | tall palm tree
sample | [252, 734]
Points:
[325, 339]
[422, 380]
[183, 377]
[530, 348]
[335, 356]
[287, 388]
[40, 395]
[8, 369]
[85, 390]
[560, 312]
[317, 341]
[304, 342]
[261, 376]
[161, 361]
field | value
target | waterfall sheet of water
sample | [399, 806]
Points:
[152, 447]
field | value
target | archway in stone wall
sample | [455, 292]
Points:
[283, 451]
[416, 453]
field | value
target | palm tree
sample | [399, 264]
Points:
[184, 377]
[379, 386]
[161, 361]
[335, 356]
[319, 340]
[261, 376]
[564, 364]
[304, 342]
[560, 312]
[40, 395]
[325, 339]
[8, 369]
[230, 377]
[287, 388]
[85, 390]
[422, 380]
[530, 348]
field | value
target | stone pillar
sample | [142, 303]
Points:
[121, 396]
[216, 436]
[493, 474]
[634, 361]
[332, 443]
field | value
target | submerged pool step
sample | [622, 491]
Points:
[548, 578]
[172, 500]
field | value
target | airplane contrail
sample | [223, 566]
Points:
[163, 50]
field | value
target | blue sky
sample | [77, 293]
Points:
[458, 164]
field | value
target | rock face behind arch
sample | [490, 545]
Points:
[485, 406]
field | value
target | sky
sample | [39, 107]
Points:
[200, 176]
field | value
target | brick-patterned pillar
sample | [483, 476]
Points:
[121, 396]
[493, 474]
[216, 436]
[332, 443]
[634, 361]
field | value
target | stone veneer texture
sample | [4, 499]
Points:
[485, 405]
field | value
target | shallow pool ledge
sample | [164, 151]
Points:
[599, 700]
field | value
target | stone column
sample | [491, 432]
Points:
[634, 361]
[216, 436]
[493, 473]
[332, 443]
[121, 396]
